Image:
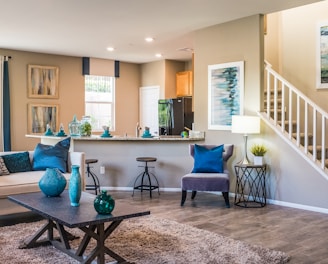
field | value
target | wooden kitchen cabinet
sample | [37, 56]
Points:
[184, 83]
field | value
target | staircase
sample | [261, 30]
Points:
[298, 120]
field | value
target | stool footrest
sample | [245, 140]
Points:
[146, 187]
[92, 187]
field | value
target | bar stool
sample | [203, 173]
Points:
[95, 186]
[148, 187]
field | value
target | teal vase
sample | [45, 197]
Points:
[52, 182]
[104, 203]
[75, 188]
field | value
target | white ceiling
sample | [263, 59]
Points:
[88, 27]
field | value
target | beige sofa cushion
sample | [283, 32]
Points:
[22, 182]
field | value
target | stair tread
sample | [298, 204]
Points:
[302, 134]
[294, 122]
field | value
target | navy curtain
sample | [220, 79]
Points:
[6, 108]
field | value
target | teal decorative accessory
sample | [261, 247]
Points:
[53, 182]
[74, 127]
[49, 131]
[106, 132]
[104, 203]
[61, 132]
[75, 188]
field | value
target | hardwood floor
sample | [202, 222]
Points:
[299, 233]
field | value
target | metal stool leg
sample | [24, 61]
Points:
[143, 186]
[95, 179]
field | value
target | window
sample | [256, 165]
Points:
[100, 100]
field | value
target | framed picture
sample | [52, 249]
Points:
[42, 81]
[41, 115]
[322, 55]
[225, 94]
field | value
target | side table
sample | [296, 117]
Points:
[250, 185]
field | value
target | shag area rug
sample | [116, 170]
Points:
[144, 240]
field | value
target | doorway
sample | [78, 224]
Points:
[148, 108]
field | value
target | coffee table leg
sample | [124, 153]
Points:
[100, 235]
[33, 241]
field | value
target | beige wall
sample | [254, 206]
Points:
[239, 40]
[272, 39]
[290, 46]
[235, 41]
[127, 95]
[71, 93]
[152, 74]
[298, 49]
[162, 74]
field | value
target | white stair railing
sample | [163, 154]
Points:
[296, 118]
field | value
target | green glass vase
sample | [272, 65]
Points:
[104, 203]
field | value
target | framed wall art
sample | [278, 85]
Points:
[225, 94]
[43, 81]
[41, 115]
[322, 56]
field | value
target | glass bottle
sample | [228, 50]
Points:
[85, 128]
[74, 127]
[104, 203]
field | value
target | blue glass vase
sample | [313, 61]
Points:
[52, 182]
[75, 188]
[104, 203]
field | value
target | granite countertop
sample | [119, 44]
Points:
[129, 138]
[121, 138]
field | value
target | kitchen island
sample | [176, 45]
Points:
[118, 156]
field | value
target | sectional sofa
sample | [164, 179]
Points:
[21, 173]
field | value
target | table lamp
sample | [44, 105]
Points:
[246, 125]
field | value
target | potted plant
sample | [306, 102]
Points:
[258, 150]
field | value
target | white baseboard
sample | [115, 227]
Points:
[269, 201]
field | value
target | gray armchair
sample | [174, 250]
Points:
[208, 181]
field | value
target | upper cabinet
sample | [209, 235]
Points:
[184, 83]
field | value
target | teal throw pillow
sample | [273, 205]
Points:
[17, 162]
[208, 160]
[47, 156]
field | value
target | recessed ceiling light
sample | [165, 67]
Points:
[158, 55]
[110, 49]
[149, 39]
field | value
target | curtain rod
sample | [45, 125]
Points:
[6, 57]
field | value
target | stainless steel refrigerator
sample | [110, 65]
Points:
[174, 115]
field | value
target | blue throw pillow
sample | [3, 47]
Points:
[17, 162]
[208, 160]
[46, 156]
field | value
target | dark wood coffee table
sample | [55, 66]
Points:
[60, 214]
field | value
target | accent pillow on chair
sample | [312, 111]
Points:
[47, 156]
[208, 160]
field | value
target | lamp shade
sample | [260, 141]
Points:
[242, 124]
